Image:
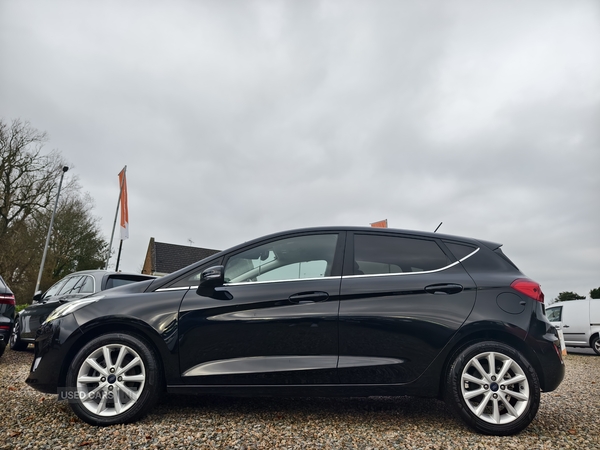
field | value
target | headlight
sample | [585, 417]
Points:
[71, 307]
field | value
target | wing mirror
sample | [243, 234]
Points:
[210, 279]
[37, 297]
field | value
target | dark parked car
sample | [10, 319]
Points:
[72, 287]
[314, 312]
[7, 313]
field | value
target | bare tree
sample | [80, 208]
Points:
[28, 178]
[28, 184]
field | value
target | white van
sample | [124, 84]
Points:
[579, 321]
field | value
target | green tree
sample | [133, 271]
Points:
[595, 293]
[566, 296]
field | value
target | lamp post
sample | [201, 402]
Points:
[39, 279]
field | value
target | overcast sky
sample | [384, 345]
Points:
[241, 118]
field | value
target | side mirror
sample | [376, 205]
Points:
[212, 277]
[37, 297]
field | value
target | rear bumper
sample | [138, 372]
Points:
[550, 364]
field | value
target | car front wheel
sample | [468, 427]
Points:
[493, 388]
[16, 343]
[115, 378]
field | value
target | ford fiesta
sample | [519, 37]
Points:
[314, 312]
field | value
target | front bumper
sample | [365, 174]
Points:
[53, 345]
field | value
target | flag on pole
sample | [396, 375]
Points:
[380, 224]
[124, 205]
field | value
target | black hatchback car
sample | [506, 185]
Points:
[314, 312]
[7, 313]
[72, 287]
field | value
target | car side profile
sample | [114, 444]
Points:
[76, 285]
[344, 311]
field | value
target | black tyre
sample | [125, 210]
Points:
[115, 378]
[596, 344]
[15, 341]
[493, 388]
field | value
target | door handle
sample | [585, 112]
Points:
[309, 297]
[565, 326]
[444, 289]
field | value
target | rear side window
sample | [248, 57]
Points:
[460, 250]
[486, 260]
[377, 254]
[122, 280]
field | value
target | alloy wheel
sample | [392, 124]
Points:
[111, 379]
[495, 388]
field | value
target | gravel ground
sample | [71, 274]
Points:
[568, 418]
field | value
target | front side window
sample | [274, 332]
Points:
[84, 286]
[69, 285]
[377, 254]
[554, 314]
[294, 258]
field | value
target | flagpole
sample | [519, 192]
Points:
[119, 255]
[112, 235]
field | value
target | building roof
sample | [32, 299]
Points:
[163, 258]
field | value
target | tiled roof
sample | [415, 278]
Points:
[169, 258]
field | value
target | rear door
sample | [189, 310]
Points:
[402, 299]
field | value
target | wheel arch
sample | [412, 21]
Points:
[499, 335]
[133, 327]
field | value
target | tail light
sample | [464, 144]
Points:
[528, 287]
[7, 299]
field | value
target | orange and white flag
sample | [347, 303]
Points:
[124, 205]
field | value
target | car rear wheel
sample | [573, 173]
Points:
[113, 379]
[493, 388]
[596, 344]
[16, 343]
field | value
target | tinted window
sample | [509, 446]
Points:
[554, 314]
[486, 260]
[122, 280]
[459, 250]
[286, 259]
[376, 254]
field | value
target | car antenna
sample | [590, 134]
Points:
[438, 227]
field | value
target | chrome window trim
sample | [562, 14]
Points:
[178, 288]
[282, 281]
[470, 254]
[413, 273]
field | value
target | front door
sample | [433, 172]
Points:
[274, 321]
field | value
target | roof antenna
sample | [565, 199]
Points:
[438, 227]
